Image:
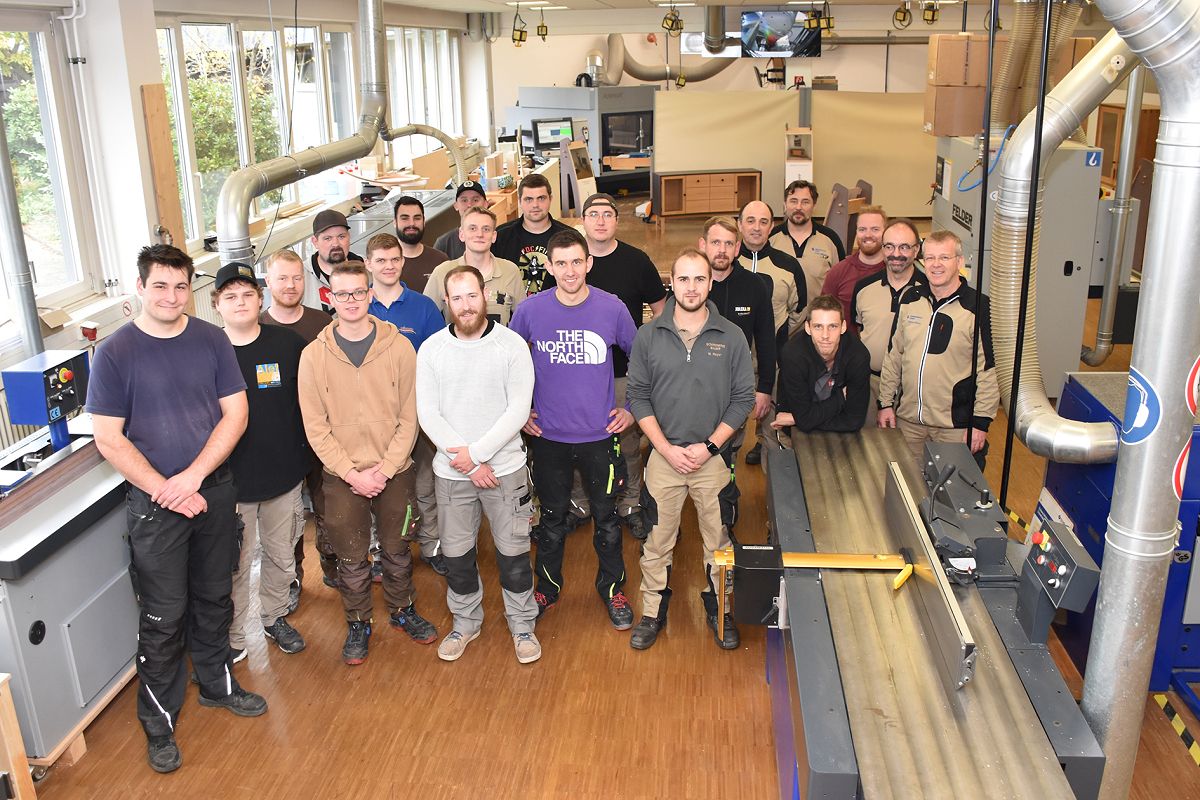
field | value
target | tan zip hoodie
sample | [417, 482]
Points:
[357, 417]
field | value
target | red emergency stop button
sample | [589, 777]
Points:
[65, 374]
[1038, 537]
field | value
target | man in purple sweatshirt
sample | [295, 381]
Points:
[574, 423]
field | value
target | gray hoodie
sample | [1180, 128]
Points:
[691, 393]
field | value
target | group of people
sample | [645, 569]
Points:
[410, 391]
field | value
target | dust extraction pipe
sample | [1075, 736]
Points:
[1119, 227]
[607, 70]
[1064, 16]
[1036, 422]
[460, 166]
[1026, 23]
[240, 188]
[1144, 520]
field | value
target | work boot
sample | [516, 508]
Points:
[437, 563]
[731, 641]
[163, 754]
[544, 602]
[285, 636]
[619, 612]
[754, 456]
[358, 641]
[645, 633]
[637, 526]
[408, 620]
[239, 701]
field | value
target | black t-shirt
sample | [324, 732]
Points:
[528, 251]
[628, 273]
[272, 455]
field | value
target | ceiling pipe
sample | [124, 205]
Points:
[460, 165]
[1067, 105]
[1160, 410]
[714, 29]
[247, 183]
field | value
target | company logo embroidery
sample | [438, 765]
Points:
[741, 311]
[575, 347]
[1143, 410]
[714, 349]
[913, 319]
[268, 376]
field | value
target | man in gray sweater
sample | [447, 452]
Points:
[691, 384]
[474, 390]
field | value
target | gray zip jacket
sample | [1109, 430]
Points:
[690, 393]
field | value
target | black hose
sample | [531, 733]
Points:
[1030, 219]
[583, 79]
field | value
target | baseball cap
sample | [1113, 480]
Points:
[235, 271]
[600, 199]
[469, 186]
[327, 219]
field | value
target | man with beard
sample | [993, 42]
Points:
[879, 296]
[503, 286]
[745, 300]
[926, 385]
[419, 260]
[823, 375]
[789, 290]
[815, 246]
[285, 282]
[474, 389]
[469, 195]
[690, 386]
[331, 238]
[867, 260]
[523, 241]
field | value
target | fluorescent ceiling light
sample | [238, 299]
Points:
[528, 3]
[553, 8]
[674, 5]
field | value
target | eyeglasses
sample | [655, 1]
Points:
[357, 294]
[888, 247]
[605, 215]
[941, 259]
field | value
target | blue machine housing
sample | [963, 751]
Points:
[1085, 493]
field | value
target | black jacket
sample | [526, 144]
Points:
[745, 300]
[800, 366]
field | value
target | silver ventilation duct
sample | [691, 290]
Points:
[460, 165]
[606, 70]
[1144, 521]
[714, 29]
[240, 188]
[1037, 423]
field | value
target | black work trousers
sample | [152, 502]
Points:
[182, 571]
[602, 468]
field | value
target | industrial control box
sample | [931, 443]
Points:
[46, 387]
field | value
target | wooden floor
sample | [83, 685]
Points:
[592, 719]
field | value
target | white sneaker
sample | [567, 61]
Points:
[455, 644]
[529, 649]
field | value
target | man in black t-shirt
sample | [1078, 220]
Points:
[523, 241]
[168, 404]
[270, 461]
[627, 272]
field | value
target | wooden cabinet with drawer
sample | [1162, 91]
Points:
[723, 192]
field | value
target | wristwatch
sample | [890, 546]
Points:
[712, 448]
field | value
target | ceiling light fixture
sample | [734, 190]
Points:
[902, 16]
[519, 34]
[826, 20]
[542, 30]
[930, 12]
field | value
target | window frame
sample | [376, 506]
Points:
[445, 86]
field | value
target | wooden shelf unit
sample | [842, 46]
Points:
[1109, 121]
[715, 192]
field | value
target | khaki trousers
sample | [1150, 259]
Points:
[916, 435]
[271, 525]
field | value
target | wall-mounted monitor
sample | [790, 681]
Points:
[549, 132]
[779, 34]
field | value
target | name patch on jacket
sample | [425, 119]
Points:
[715, 349]
[741, 311]
[267, 376]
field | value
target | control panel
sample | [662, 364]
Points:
[47, 387]
[1057, 573]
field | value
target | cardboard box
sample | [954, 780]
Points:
[954, 110]
[960, 59]
[51, 320]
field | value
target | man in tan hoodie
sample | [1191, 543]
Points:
[358, 398]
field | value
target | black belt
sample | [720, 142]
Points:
[221, 474]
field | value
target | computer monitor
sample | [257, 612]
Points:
[549, 132]
[779, 34]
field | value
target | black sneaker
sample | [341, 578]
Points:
[636, 525]
[354, 651]
[645, 633]
[755, 454]
[576, 520]
[731, 640]
[544, 603]
[376, 571]
[163, 753]
[408, 620]
[239, 701]
[288, 638]
[331, 583]
[437, 563]
[294, 597]
[619, 612]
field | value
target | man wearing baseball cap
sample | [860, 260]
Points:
[331, 239]
[470, 194]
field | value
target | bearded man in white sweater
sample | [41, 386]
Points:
[474, 390]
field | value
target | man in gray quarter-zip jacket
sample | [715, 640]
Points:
[691, 384]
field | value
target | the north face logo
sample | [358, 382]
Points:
[575, 347]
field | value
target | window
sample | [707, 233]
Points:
[423, 83]
[242, 93]
[30, 90]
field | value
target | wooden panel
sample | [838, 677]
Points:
[697, 181]
[724, 180]
[162, 161]
[691, 193]
[12, 747]
[700, 206]
[436, 167]
[671, 192]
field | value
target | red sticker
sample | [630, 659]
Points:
[127, 309]
[1181, 465]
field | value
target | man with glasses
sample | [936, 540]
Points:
[927, 371]
[503, 284]
[815, 246]
[866, 260]
[878, 297]
[419, 260]
[468, 195]
[624, 270]
[358, 397]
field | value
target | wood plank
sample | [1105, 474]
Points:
[12, 746]
[162, 161]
